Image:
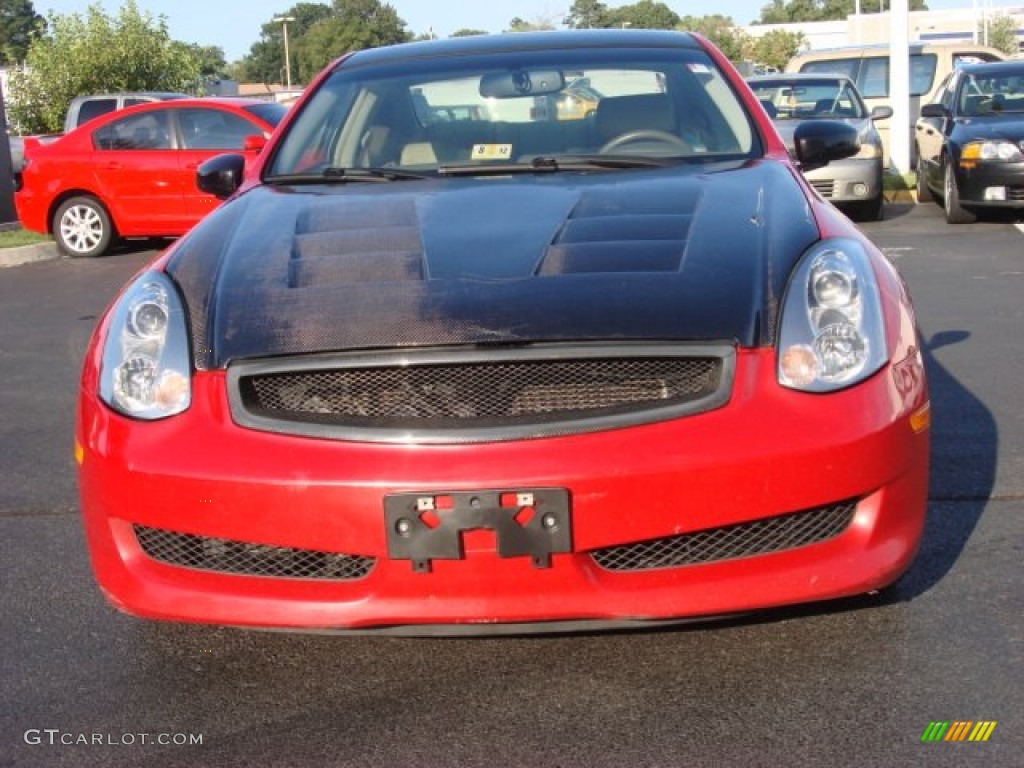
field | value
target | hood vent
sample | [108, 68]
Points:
[370, 243]
[643, 234]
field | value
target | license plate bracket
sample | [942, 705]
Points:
[428, 525]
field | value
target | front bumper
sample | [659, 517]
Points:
[848, 181]
[768, 452]
[972, 184]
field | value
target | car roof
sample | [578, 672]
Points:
[524, 41]
[994, 68]
[788, 77]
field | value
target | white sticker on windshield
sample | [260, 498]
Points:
[492, 151]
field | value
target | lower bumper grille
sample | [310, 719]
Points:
[236, 557]
[760, 537]
[826, 187]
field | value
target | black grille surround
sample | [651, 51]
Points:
[203, 553]
[479, 394]
[758, 537]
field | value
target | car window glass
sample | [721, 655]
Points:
[213, 129]
[145, 131]
[575, 102]
[922, 73]
[847, 67]
[874, 77]
[131, 102]
[94, 108]
[798, 99]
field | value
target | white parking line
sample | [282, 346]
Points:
[1020, 227]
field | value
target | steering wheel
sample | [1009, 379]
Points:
[644, 134]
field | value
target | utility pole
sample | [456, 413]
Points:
[283, 21]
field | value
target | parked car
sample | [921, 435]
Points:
[855, 183]
[131, 173]
[868, 66]
[82, 109]
[970, 142]
[508, 375]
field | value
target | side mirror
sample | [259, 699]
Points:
[254, 143]
[934, 110]
[818, 142]
[221, 176]
[881, 113]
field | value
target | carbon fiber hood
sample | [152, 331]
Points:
[693, 254]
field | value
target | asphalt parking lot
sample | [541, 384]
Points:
[852, 683]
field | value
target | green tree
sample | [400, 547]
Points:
[95, 53]
[212, 63]
[352, 26]
[19, 26]
[587, 14]
[775, 48]
[645, 14]
[541, 23]
[468, 32]
[1002, 33]
[265, 61]
[782, 12]
[720, 30]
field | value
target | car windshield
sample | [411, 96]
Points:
[613, 108]
[990, 93]
[270, 113]
[801, 99]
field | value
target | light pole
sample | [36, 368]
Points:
[283, 21]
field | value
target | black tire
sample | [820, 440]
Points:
[82, 227]
[924, 192]
[955, 213]
[869, 210]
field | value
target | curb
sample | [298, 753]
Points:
[27, 254]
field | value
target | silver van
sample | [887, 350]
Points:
[868, 67]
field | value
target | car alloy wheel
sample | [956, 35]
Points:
[82, 227]
[955, 214]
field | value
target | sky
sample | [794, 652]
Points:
[234, 25]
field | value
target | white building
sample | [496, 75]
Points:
[958, 24]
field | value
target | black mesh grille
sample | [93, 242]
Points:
[487, 393]
[1015, 193]
[759, 537]
[226, 556]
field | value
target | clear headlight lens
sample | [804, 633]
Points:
[146, 369]
[832, 334]
[994, 151]
[869, 150]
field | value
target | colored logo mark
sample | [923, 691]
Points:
[958, 730]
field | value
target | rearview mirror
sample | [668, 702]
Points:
[221, 176]
[254, 143]
[522, 82]
[819, 142]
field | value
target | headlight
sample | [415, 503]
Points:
[990, 152]
[869, 151]
[832, 334]
[146, 372]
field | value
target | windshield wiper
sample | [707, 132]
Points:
[555, 163]
[338, 174]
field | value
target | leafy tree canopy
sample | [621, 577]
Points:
[645, 14]
[319, 34]
[464, 32]
[19, 26]
[1001, 33]
[775, 48]
[720, 30]
[782, 12]
[94, 53]
[587, 14]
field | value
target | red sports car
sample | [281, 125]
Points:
[479, 369]
[131, 173]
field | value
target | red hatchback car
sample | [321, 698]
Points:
[132, 173]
